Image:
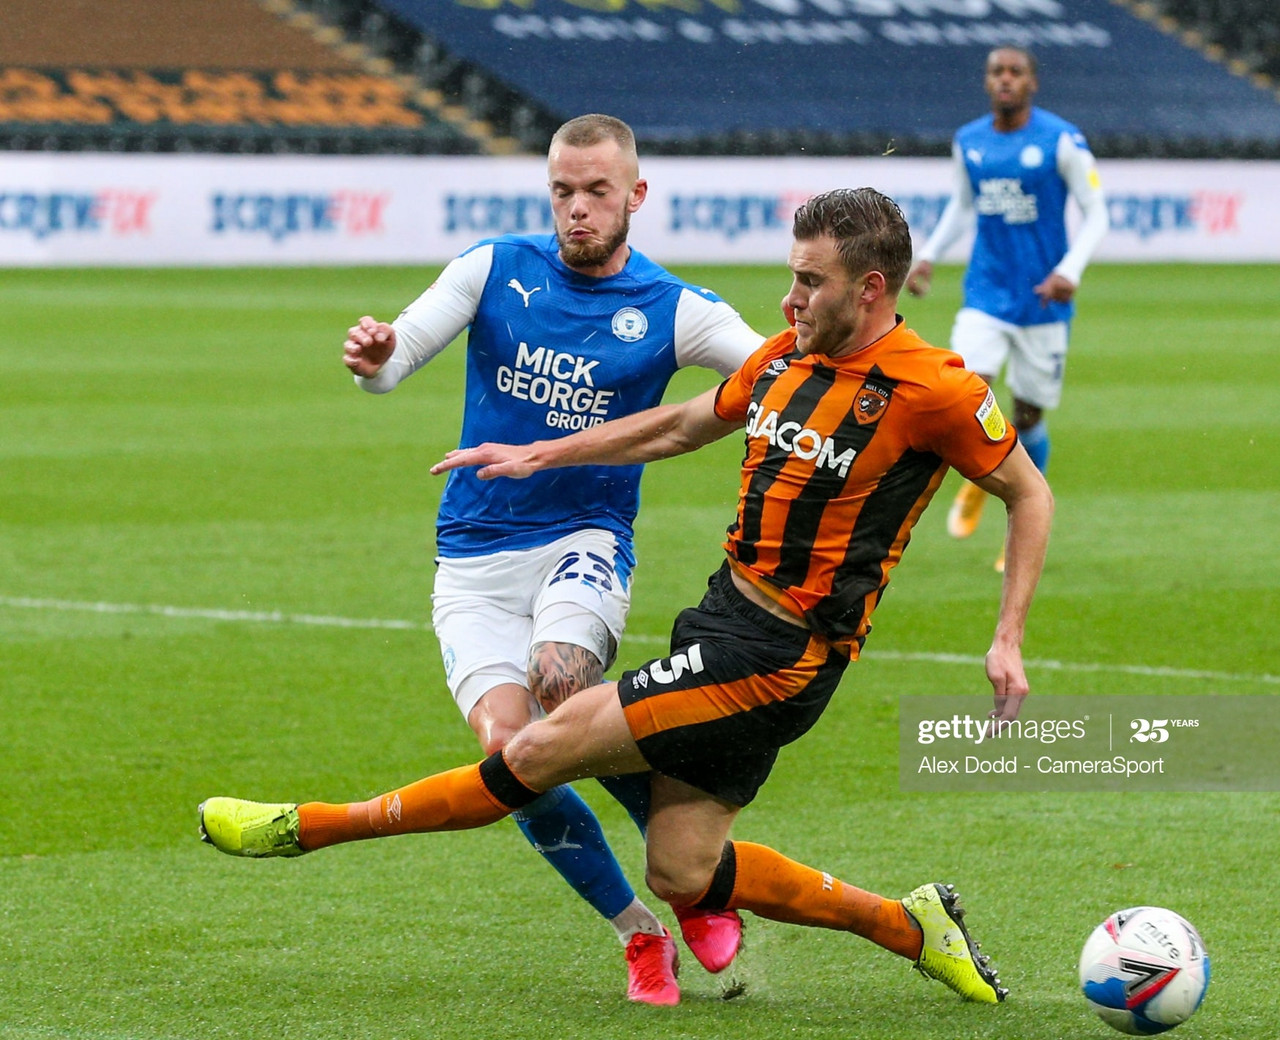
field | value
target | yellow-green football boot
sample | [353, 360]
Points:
[242, 828]
[949, 953]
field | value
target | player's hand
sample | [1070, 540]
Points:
[1009, 683]
[1055, 289]
[493, 460]
[920, 278]
[788, 312]
[368, 345]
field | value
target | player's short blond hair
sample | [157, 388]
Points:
[591, 129]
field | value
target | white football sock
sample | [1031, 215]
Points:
[636, 918]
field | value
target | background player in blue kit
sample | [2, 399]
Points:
[1015, 169]
[533, 577]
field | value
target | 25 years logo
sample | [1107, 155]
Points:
[1156, 731]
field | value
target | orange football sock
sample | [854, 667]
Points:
[772, 886]
[449, 801]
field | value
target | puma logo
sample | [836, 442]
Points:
[562, 845]
[524, 293]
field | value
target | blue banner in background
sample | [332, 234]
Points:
[98, 208]
[682, 69]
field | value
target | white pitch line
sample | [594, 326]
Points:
[1160, 672]
[206, 613]
[277, 617]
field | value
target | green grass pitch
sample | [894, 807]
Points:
[196, 503]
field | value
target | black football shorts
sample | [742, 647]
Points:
[738, 685]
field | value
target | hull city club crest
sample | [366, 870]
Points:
[871, 401]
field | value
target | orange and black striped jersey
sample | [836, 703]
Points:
[842, 456]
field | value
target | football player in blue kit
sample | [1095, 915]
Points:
[533, 579]
[1015, 169]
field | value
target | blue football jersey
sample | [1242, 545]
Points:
[1020, 199]
[551, 351]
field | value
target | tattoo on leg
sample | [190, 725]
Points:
[559, 670]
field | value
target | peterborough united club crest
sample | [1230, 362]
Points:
[630, 325]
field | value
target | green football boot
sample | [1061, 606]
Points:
[242, 828]
[949, 954]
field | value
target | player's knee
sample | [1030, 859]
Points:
[678, 879]
[542, 754]
[679, 888]
[495, 724]
[524, 751]
[496, 738]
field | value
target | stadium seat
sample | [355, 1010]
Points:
[385, 76]
[193, 76]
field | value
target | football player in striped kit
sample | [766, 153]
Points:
[851, 423]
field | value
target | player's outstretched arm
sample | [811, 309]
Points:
[656, 433]
[1029, 503]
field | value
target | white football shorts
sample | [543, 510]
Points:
[488, 611]
[1036, 354]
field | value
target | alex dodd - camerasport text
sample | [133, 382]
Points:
[1118, 765]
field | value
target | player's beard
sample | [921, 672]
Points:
[589, 254]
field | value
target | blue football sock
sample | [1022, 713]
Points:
[1036, 440]
[562, 827]
[631, 791]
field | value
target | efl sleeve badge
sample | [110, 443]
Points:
[990, 418]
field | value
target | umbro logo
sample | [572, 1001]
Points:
[394, 809]
[524, 293]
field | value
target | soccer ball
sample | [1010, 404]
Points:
[1144, 970]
